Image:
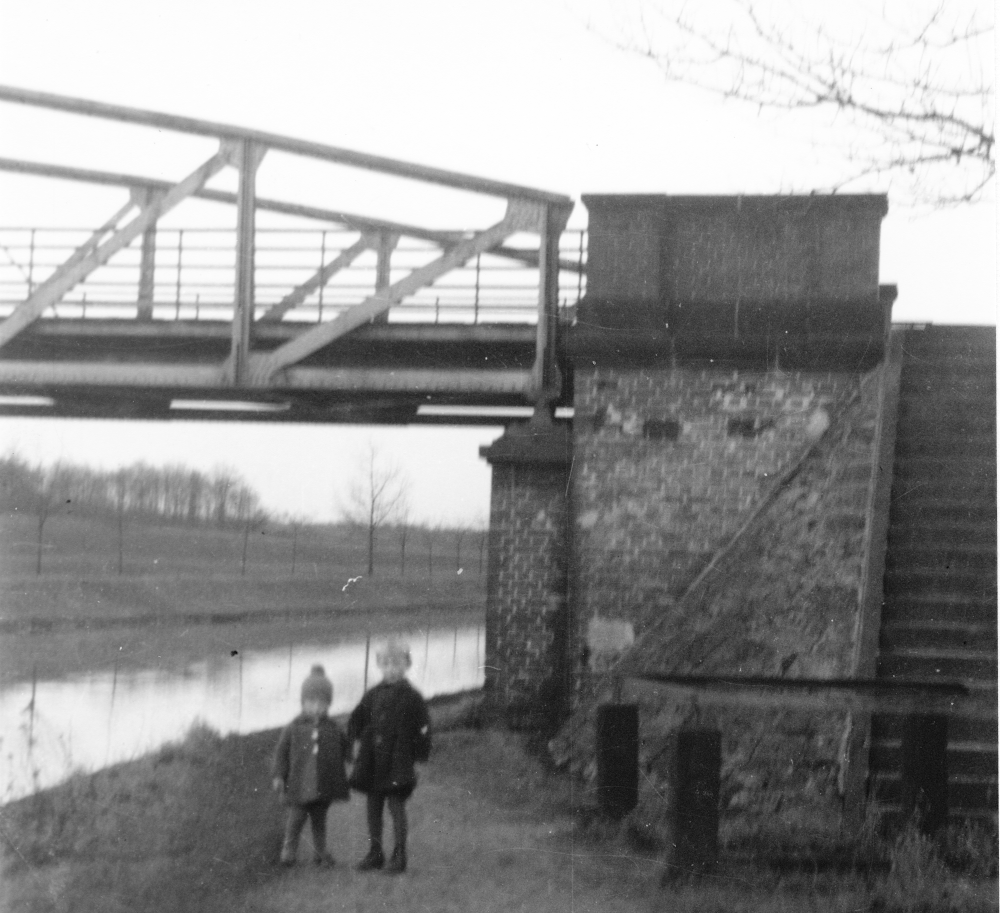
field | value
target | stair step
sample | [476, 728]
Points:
[962, 794]
[979, 446]
[895, 667]
[929, 582]
[980, 765]
[931, 343]
[909, 509]
[925, 607]
[962, 379]
[969, 638]
[973, 468]
[977, 558]
[963, 734]
[959, 536]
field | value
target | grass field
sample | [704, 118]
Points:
[184, 591]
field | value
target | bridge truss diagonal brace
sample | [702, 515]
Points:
[320, 278]
[521, 215]
[95, 253]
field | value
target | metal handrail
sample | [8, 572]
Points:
[195, 268]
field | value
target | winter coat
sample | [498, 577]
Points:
[309, 760]
[393, 727]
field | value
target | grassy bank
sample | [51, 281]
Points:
[183, 595]
[195, 828]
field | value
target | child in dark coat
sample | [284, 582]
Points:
[309, 768]
[393, 727]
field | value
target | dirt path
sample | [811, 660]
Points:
[480, 840]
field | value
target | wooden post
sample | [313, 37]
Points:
[693, 847]
[617, 758]
[924, 773]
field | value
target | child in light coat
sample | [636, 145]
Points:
[393, 728]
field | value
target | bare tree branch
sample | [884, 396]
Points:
[374, 497]
[917, 85]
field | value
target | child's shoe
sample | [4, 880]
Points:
[287, 856]
[397, 862]
[374, 860]
[325, 860]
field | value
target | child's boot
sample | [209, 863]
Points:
[375, 858]
[397, 862]
[287, 855]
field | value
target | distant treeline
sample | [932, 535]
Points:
[172, 494]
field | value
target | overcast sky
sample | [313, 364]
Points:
[521, 91]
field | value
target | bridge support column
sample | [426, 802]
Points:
[527, 609]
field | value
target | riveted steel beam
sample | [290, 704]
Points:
[520, 216]
[348, 219]
[21, 377]
[276, 141]
[88, 258]
[320, 278]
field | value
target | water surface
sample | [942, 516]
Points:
[86, 722]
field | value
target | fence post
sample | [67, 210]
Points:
[693, 846]
[924, 771]
[617, 758]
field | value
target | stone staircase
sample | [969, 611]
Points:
[939, 616]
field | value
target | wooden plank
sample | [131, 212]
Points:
[314, 339]
[75, 269]
[865, 657]
[341, 156]
[811, 694]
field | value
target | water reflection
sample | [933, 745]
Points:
[88, 721]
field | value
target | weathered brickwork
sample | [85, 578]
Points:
[783, 600]
[651, 511]
[526, 605]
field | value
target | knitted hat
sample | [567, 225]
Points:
[392, 653]
[317, 686]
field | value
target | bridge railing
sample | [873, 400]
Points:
[193, 277]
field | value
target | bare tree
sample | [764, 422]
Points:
[251, 521]
[47, 493]
[121, 496]
[460, 533]
[374, 497]
[430, 535]
[912, 83]
[403, 529]
[219, 486]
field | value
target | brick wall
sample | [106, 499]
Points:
[784, 598]
[526, 605]
[669, 464]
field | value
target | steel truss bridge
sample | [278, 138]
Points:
[343, 318]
